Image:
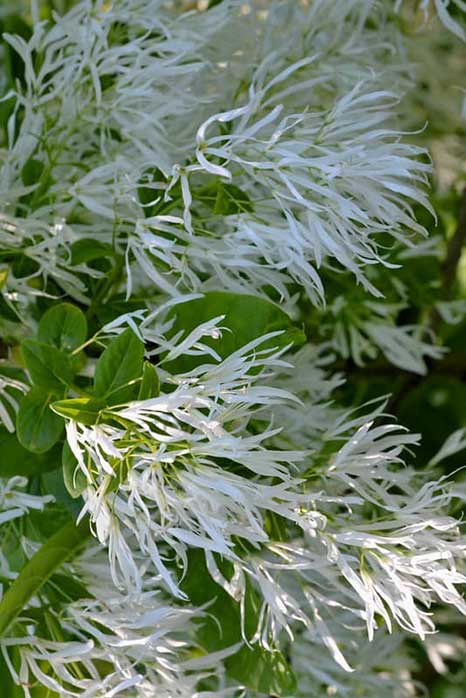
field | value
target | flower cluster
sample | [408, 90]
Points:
[210, 211]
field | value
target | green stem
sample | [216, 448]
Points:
[38, 570]
[110, 284]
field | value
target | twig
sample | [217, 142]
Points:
[448, 276]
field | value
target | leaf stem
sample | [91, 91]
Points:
[38, 570]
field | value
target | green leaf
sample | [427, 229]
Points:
[152, 188]
[258, 669]
[4, 271]
[69, 588]
[225, 199]
[35, 173]
[7, 311]
[117, 305]
[9, 688]
[64, 326]
[150, 383]
[262, 671]
[53, 483]
[17, 460]
[85, 410]
[247, 318]
[37, 427]
[40, 524]
[201, 589]
[118, 368]
[73, 477]
[88, 249]
[230, 200]
[35, 573]
[24, 266]
[48, 367]
[32, 171]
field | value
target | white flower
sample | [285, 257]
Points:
[14, 501]
[184, 471]
[383, 667]
[442, 9]
[145, 644]
[454, 443]
[8, 403]
[256, 152]
[336, 177]
[360, 329]
[310, 145]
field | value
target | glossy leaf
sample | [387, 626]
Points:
[41, 524]
[119, 368]
[85, 410]
[32, 171]
[4, 271]
[262, 671]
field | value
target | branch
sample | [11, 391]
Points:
[455, 246]
[448, 276]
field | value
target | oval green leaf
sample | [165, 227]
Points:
[48, 367]
[246, 317]
[37, 427]
[118, 369]
[64, 326]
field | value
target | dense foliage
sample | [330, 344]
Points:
[232, 373]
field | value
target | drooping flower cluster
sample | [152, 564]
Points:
[182, 174]
[176, 473]
[78, 638]
[320, 173]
